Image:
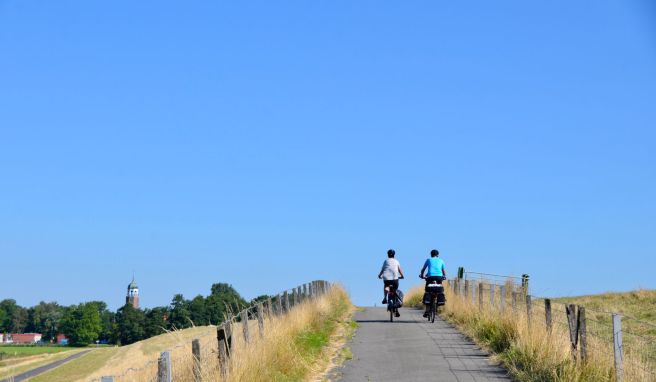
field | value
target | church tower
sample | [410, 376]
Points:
[133, 294]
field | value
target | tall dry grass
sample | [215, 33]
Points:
[297, 346]
[528, 350]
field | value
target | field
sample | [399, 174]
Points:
[15, 359]
[532, 352]
[294, 347]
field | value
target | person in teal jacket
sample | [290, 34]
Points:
[436, 270]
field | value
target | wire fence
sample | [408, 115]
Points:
[209, 355]
[626, 346]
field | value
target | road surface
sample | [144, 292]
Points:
[42, 369]
[412, 349]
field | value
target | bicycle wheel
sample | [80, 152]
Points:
[432, 311]
[391, 314]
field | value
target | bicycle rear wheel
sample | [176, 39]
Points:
[432, 311]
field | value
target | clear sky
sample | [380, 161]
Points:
[269, 143]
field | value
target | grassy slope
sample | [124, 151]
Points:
[299, 345]
[112, 360]
[639, 304]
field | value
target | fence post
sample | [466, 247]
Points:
[260, 319]
[269, 308]
[573, 328]
[617, 347]
[224, 349]
[285, 305]
[195, 351]
[107, 378]
[480, 295]
[305, 291]
[514, 300]
[466, 294]
[583, 334]
[502, 296]
[492, 288]
[244, 325]
[300, 294]
[525, 284]
[474, 287]
[164, 367]
[529, 310]
[547, 314]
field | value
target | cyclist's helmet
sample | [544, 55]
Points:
[434, 253]
[391, 253]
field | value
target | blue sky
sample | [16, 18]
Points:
[266, 144]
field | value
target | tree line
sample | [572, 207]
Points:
[92, 321]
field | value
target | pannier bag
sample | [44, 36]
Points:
[441, 299]
[399, 298]
[427, 298]
[434, 288]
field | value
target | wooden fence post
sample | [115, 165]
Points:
[300, 294]
[305, 292]
[583, 334]
[164, 367]
[502, 295]
[529, 310]
[269, 308]
[473, 290]
[514, 300]
[466, 294]
[573, 328]
[195, 351]
[244, 325]
[480, 295]
[547, 314]
[617, 347]
[492, 288]
[224, 349]
[285, 305]
[260, 319]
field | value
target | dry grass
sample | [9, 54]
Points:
[296, 347]
[531, 352]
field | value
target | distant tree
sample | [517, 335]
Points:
[81, 323]
[180, 315]
[130, 324]
[222, 301]
[44, 318]
[13, 317]
[198, 311]
[156, 321]
[259, 299]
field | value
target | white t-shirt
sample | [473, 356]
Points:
[391, 269]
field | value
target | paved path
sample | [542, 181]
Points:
[412, 349]
[42, 369]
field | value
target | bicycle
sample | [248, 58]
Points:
[434, 298]
[392, 303]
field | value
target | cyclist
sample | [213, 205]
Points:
[390, 274]
[436, 271]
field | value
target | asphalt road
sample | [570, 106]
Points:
[413, 349]
[42, 369]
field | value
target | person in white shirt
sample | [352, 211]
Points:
[390, 273]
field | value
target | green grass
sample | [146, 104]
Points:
[79, 368]
[18, 365]
[13, 351]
